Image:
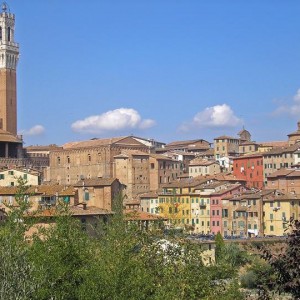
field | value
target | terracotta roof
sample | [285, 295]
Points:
[133, 215]
[242, 131]
[180, 152]
[275, 196]
[250, 155]
[95, 182]
[202, 162]
[89, 211]
[248, 143]
[224, 137]
[295, 173]
[187, 182]
[102, 142]
[280, 173]
[186, 143]
[149, 195]
[33, 148]
[226, 189]
[209, 152]
[274, 144]
[128, 153]
[297, 132]
[132, 202]
[281, 150]
[46, 190]
[6, 136]
[228, 177]
[161, 157]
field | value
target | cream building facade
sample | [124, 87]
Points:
[11, 177]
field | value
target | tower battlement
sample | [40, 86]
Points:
[9, 56]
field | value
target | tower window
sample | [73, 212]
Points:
[0, 33]
[8, 34]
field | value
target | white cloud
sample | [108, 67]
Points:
[293, 109]
[218, 116]
[33, 131]
[113, 120]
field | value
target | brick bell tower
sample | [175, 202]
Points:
[9, 55]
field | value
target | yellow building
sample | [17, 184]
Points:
[278, 208]
[179, 203]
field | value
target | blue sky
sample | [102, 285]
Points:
[168, 70]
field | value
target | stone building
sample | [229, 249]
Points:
[294, 137]
[89, 159]
[193, 146]
[162, 170]
[226, 146]
[202, 167]
[131, 167]
[278, 158]
[285, 180]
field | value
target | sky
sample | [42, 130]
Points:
[161, 69]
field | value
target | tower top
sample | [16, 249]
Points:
[4, 7]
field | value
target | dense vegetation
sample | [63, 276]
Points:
[124, 262]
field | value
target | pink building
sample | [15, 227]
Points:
[216, 200]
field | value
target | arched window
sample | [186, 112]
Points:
[0, 33]
[8, 34]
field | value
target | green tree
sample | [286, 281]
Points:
[16, 269]
[220, 245]
[285, 265]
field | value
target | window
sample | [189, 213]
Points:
[1, 176]
[271, 216]
[58, 160]
[8, 34]
[25, 176]
[86, 195]
[271, 228]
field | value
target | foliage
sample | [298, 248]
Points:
[220, 245]
[234, 255]
[286, 265]
[258, 275]
[16, 269]
[123, 262]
